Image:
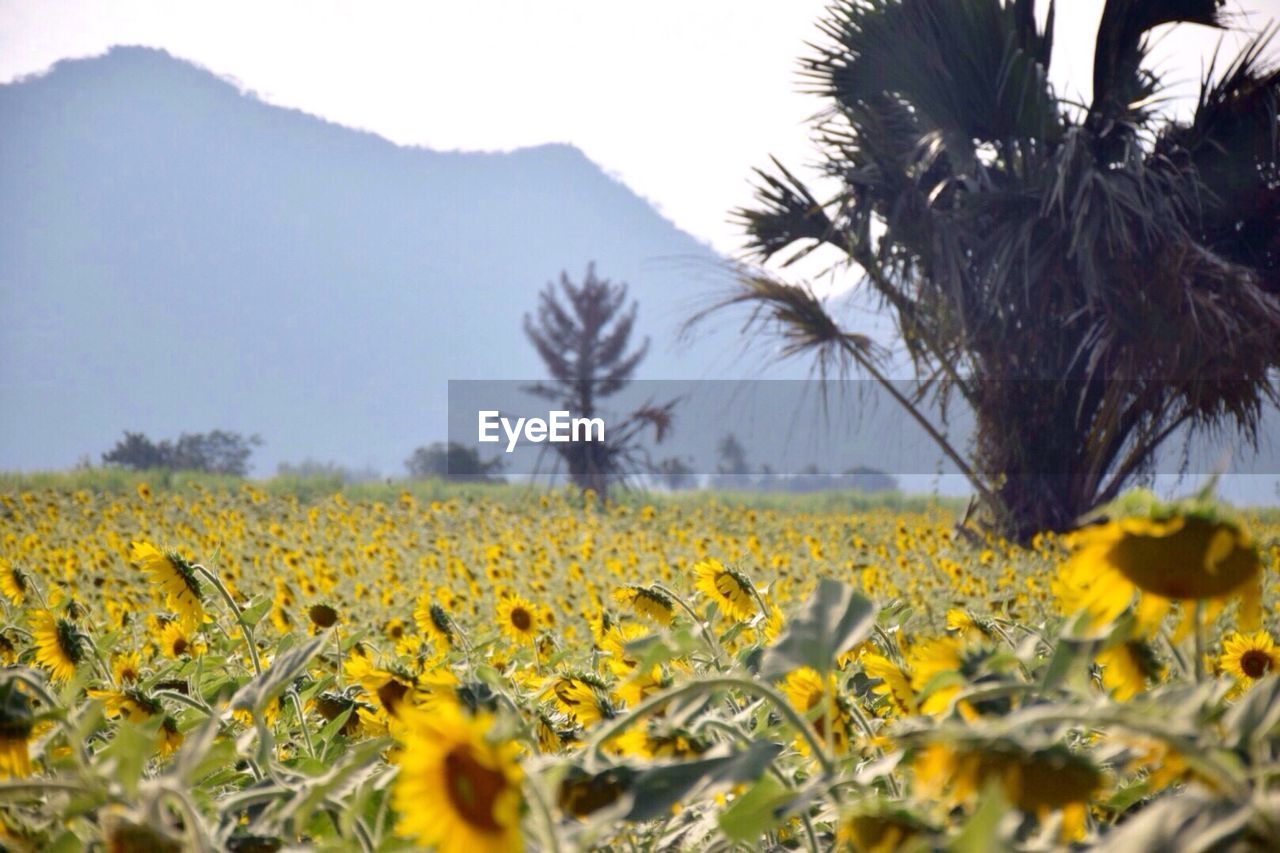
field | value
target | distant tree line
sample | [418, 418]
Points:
[734, 473]
[215, 452]
[452, 461]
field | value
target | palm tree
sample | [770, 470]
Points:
[1090, 279]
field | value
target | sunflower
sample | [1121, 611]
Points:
[880, 829]
[59, 647]
[646, 602]
[728, 588]
[1037, 781]
[176, 641]
[1185, 558]
[129, 704]
[14, 583]
[1248, 657]
[553, 730]
[582, 696]
[433, 620]
[936, 674]
[1126, 668]
[127, 668]
[170, 737]
[518, 618]
[322, 616]
[456, 791]
[806, 693]
[16, 724]
[173, 576]
[895, 683]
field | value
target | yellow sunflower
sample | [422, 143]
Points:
[1185, 558]
[1037, 781]
[582, 696]
[456, 791]
[174, 577]
[127, 668]
[1126, 668]
[13, 583]
[806, 693]
[895, 683]
[170, 737]
[728, 588]
[16, 724]
[1248, 657]
[59, 647]
[646, 602]
[518, 618]
[130, 704]
[936, 667]
[433, 620]
[878, 829]
[176, 641]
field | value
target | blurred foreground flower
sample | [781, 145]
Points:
[1037, 781]
[456, 791]
[1185, 558]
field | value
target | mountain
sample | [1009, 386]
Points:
[176, 255]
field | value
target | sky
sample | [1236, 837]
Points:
[679, 99]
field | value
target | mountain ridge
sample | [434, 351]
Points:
[146, 199]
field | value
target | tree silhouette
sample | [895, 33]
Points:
[582, 332]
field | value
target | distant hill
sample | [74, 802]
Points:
[177, 255]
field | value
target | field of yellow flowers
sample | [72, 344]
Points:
[232, 668]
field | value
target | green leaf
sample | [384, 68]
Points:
[834, 620]
[128, 753]
[1069, 665]
[981, 833]
[286, 667]
[1255, 716]
[258, 607]
[757, 811]
[67, 842]
[658, 788]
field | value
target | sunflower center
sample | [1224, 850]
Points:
[69, 641]
[1255, 663]
[473, 789]
[391, 694]
[521, 619]
[180, 646]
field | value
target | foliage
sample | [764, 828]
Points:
[333, 472]
[214, 452]
[453, 461]
[1089, 280]
[675, 474]
[584, 344]
[617, 675]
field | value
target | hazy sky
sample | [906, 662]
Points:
[678, 98]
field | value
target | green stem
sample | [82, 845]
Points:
[245, 628]
[546, 821]
[183, 699]
[742, 737]
[716, 652]
[1199, 630]
[302, 722]
[39, 786]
